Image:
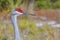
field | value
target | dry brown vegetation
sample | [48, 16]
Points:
[51, 14]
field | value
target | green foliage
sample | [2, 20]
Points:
[53, 1]
[42, 4]
[47, 4]
[9, 4]
[14, 3]
[56, 4]
[26, 24]
[4, 4]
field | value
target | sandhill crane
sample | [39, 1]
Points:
[14, 13]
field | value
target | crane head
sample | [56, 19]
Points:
[17, 11]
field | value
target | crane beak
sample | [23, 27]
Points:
[32, 14]
[28, 13]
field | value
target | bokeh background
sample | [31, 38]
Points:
[44, 26]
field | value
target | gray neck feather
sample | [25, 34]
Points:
[15, 26]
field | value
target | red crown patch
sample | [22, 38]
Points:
[19, 10]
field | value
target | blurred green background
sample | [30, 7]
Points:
[28, 29]
[40, 4]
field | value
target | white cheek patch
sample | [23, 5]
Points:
[18, 13]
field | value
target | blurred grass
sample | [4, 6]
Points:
[28, 31]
